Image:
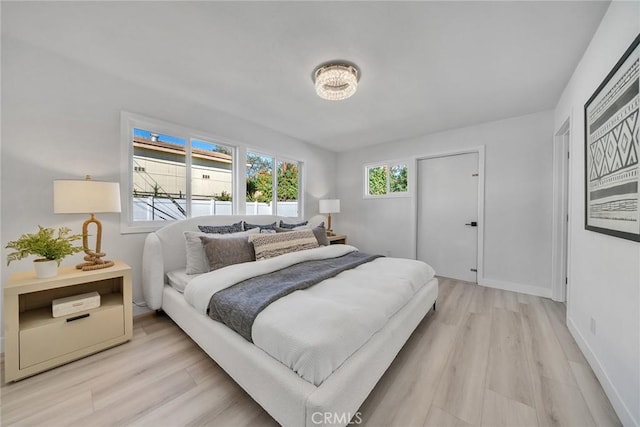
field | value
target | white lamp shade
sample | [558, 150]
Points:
[330, 206]
[85, 196]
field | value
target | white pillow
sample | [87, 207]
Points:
[197, 262]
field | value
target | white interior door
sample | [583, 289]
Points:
[447, 193]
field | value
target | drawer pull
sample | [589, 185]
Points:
[82, 316]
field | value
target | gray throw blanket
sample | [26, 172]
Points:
[238, 306]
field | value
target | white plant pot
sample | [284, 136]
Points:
[45, 268]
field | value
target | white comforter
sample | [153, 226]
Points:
[314, 331]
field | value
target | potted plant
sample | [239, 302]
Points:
[45, 243]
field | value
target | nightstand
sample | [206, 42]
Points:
[338, 239]
[36, 341]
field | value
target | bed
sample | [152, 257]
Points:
[331, 399]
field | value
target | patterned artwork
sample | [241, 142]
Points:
[612, 170]
[612, 149]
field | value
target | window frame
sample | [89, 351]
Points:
[274, 180]
[129, 121]
[388, 164]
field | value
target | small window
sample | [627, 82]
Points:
[398, 179]
[388, 179]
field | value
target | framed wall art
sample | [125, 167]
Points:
[612, 170]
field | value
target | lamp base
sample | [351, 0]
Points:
[93, 261]
[92, 258]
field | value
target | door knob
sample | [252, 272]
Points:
[472, 223]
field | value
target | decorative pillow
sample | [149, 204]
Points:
[224, 252]
[271, 245]
[197, 261]
[265, 230]
[290, 226]
[321, 235]
[222, 229]
[248, 226]
[319, 231]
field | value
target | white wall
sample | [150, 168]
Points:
[61, 120]
[604, 271]
[518, 199]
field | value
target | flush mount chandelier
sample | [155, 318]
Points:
[336, 81]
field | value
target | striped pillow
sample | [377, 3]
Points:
[271, 245]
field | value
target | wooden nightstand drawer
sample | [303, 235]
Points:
[43, 337]
[337, 239]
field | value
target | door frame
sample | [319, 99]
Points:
[560, 249]
[413, 182]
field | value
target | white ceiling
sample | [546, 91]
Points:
[426, 66]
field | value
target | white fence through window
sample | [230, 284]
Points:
[158, 208]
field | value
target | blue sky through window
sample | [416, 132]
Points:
[175, 140]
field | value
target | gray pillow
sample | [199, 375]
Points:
[197, 262]
[222, 229]
[248, 226]
[224, 252]
[292, 226]
[321, 235]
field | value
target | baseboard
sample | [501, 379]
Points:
[140, 310]
[626, 417]
[516, 287]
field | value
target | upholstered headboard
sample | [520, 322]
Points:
[165, 249]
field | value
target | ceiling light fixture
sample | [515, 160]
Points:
[336, 81]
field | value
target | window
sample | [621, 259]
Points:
[288, 186]
[269, 179]
[173, 174]
[389, 179]
[212, 178]
[170, 172]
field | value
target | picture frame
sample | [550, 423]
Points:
[612, 168]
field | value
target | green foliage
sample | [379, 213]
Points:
[257, 164]
[224, 196]
[45, 244]
[287, 179]
[221, 149]
[378, 180]
[264, 187]
[260, 179]
[398, 179]
[251, 189]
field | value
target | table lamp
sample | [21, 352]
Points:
[87, 196]
[329, 206]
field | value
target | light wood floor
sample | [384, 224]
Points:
[485, 358]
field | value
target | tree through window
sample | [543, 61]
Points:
[386, 179]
